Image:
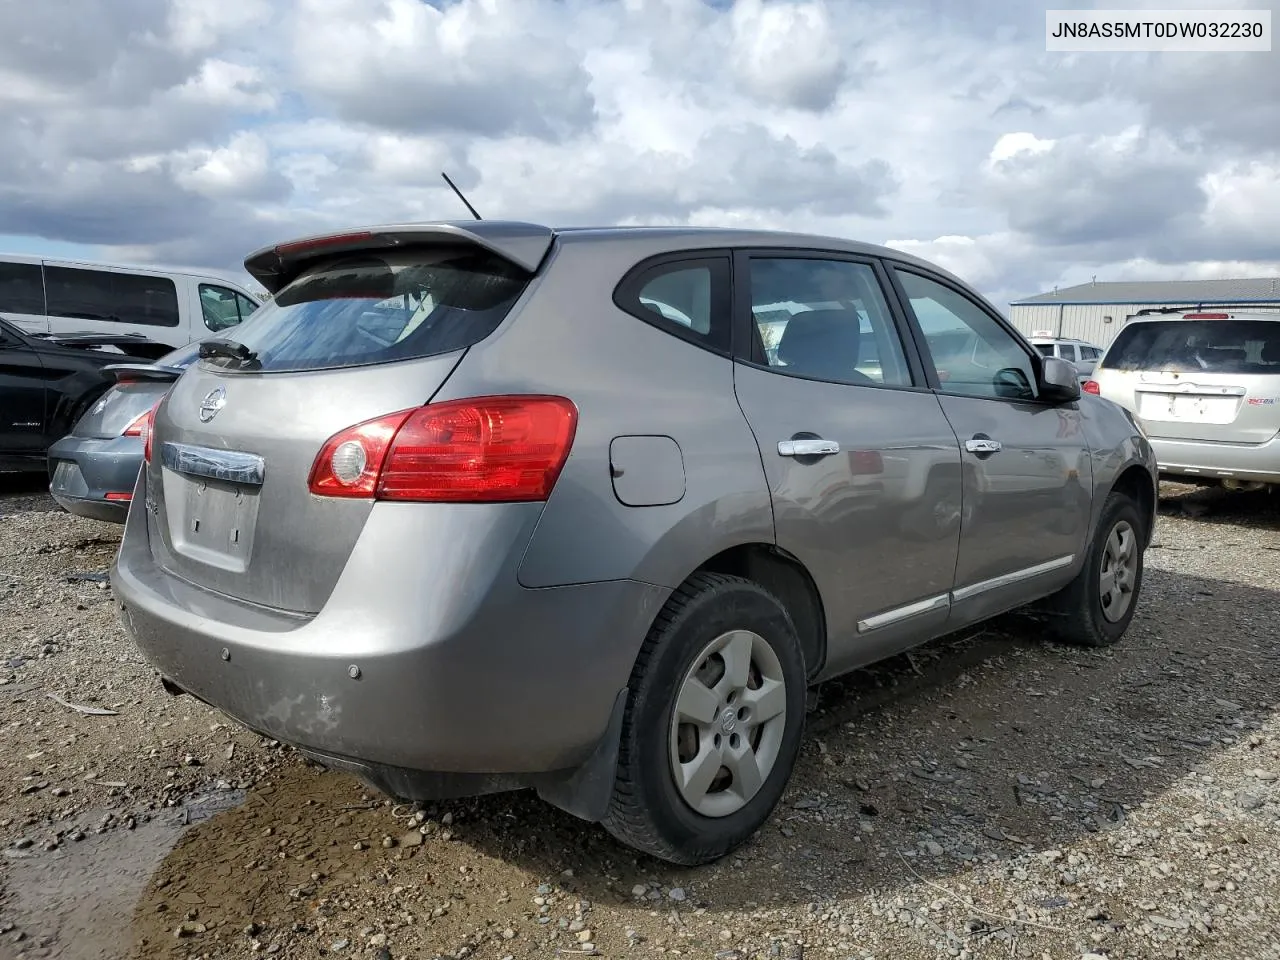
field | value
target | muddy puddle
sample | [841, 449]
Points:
[77, 902]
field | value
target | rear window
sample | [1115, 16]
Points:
[1210, 346]
[382, 307]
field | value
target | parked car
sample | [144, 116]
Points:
[1079, 352]
[542, 532]
[1206, 389]
[93, 469]
[48, 381]
[167, 307]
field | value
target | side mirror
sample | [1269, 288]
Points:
[1059, 380]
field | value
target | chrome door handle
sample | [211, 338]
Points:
[807, 448]
[984, 445]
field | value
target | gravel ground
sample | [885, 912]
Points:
[991, 795]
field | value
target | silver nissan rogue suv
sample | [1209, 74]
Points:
[483, 506]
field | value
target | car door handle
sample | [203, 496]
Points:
[807, 448]
[982, 445]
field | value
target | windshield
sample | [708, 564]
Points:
[1212, 346]
[382, 307]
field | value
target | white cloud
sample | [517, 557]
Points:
[240, 170]
[787, 54]
[194, 131]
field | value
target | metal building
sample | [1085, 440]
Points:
[1096, 311]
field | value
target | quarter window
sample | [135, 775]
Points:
[21, 288]
[686, 296]
[826, 319]
[112, 297]
[972, 353]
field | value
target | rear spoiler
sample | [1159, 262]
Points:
[125, 372]
[133, 344]
[523, 244]
[1196, 308]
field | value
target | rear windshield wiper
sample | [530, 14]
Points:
[229, 349]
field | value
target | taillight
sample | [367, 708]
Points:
[478, 450]
[1091, 386]
[1206, 316]
[134, 429]
[147, 429]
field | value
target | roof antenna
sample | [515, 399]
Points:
[454, 186]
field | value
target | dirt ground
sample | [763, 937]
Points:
[990, 795]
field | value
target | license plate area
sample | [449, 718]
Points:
[211, 500]
[1187, 408]
[68, 480]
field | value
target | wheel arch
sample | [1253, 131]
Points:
[787, 579]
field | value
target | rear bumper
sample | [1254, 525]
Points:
[1219, 461]
[83, 470]
[427, 657]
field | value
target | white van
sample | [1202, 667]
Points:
[42, 295]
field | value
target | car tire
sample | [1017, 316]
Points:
[671, 736]
[1086, 614]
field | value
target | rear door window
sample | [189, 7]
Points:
[826, 320]
[111, 297]
[21, 288]
[382, 307]
[1209, 346]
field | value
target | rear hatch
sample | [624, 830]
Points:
[138, 387]
[1213, 379]
[357, 335]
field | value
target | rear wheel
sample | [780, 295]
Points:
[713, 723]
[1095, 609]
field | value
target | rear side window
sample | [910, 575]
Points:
[21, 288]
[382, 307]
[112, 297]
[1209, 346]
[687, 296]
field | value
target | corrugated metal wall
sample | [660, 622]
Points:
[1088, 321]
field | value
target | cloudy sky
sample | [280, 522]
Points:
[192, 131]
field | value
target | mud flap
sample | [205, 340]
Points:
[586, 791]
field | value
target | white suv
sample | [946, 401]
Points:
[1083, 355]
[1205, 388]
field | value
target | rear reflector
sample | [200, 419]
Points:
[479, 450]
[1206, 316]
[1091, 386]
[119, 496]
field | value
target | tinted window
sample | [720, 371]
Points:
[1212, 346]
[826, 319]
[222, 308]
[686, 296]
[1046, 349]
[21, 288]
[1090, 353]
[113, 297]
[680, 294]
[378, 308]
[972, 353]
